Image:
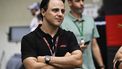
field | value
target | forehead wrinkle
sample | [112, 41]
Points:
[56, 4]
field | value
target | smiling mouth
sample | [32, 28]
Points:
[59, 19]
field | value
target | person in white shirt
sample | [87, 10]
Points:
[35, 11]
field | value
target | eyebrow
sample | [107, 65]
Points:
[80, 0]
[57, 9]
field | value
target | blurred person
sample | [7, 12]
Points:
[86, 33]
[118, 59]
[101, 26]
[14, 62]
[49, 46]
[35, 11]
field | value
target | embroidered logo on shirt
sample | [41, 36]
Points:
[63, 46]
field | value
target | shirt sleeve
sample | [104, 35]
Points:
[73, 44]
[27, 48]
[95, 32]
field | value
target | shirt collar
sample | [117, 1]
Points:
[74, 19]
[40, 33]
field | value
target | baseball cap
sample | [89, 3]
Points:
[34, 6]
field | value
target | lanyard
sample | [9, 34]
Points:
[80, 31]
[54, 48]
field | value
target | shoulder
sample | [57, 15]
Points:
[29, 36]
[67, 22]
[86, 17]
[67, 17]
[88, 20]
[67, 33]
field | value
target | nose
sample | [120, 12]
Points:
[60, 13]
[81, 2]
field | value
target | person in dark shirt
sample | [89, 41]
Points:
[49, 46]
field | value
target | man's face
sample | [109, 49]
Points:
[54, 15]
[77, 5]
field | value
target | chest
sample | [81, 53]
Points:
[86, 30]
[45, 48]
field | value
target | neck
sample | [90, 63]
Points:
[49, 29]
[75, 14]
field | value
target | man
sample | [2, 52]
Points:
[118, 59]
[35, 11]
[85, 30]
[50, 47]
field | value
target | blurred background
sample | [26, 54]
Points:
[15, 19]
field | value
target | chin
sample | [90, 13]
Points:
[57, 25]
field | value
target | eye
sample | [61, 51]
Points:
[55, 10]
[77, 0]
[63, 11]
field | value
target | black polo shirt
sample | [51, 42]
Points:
[33, 44]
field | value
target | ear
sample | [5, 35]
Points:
[43, 12]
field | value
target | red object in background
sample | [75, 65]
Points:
[114, 30]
